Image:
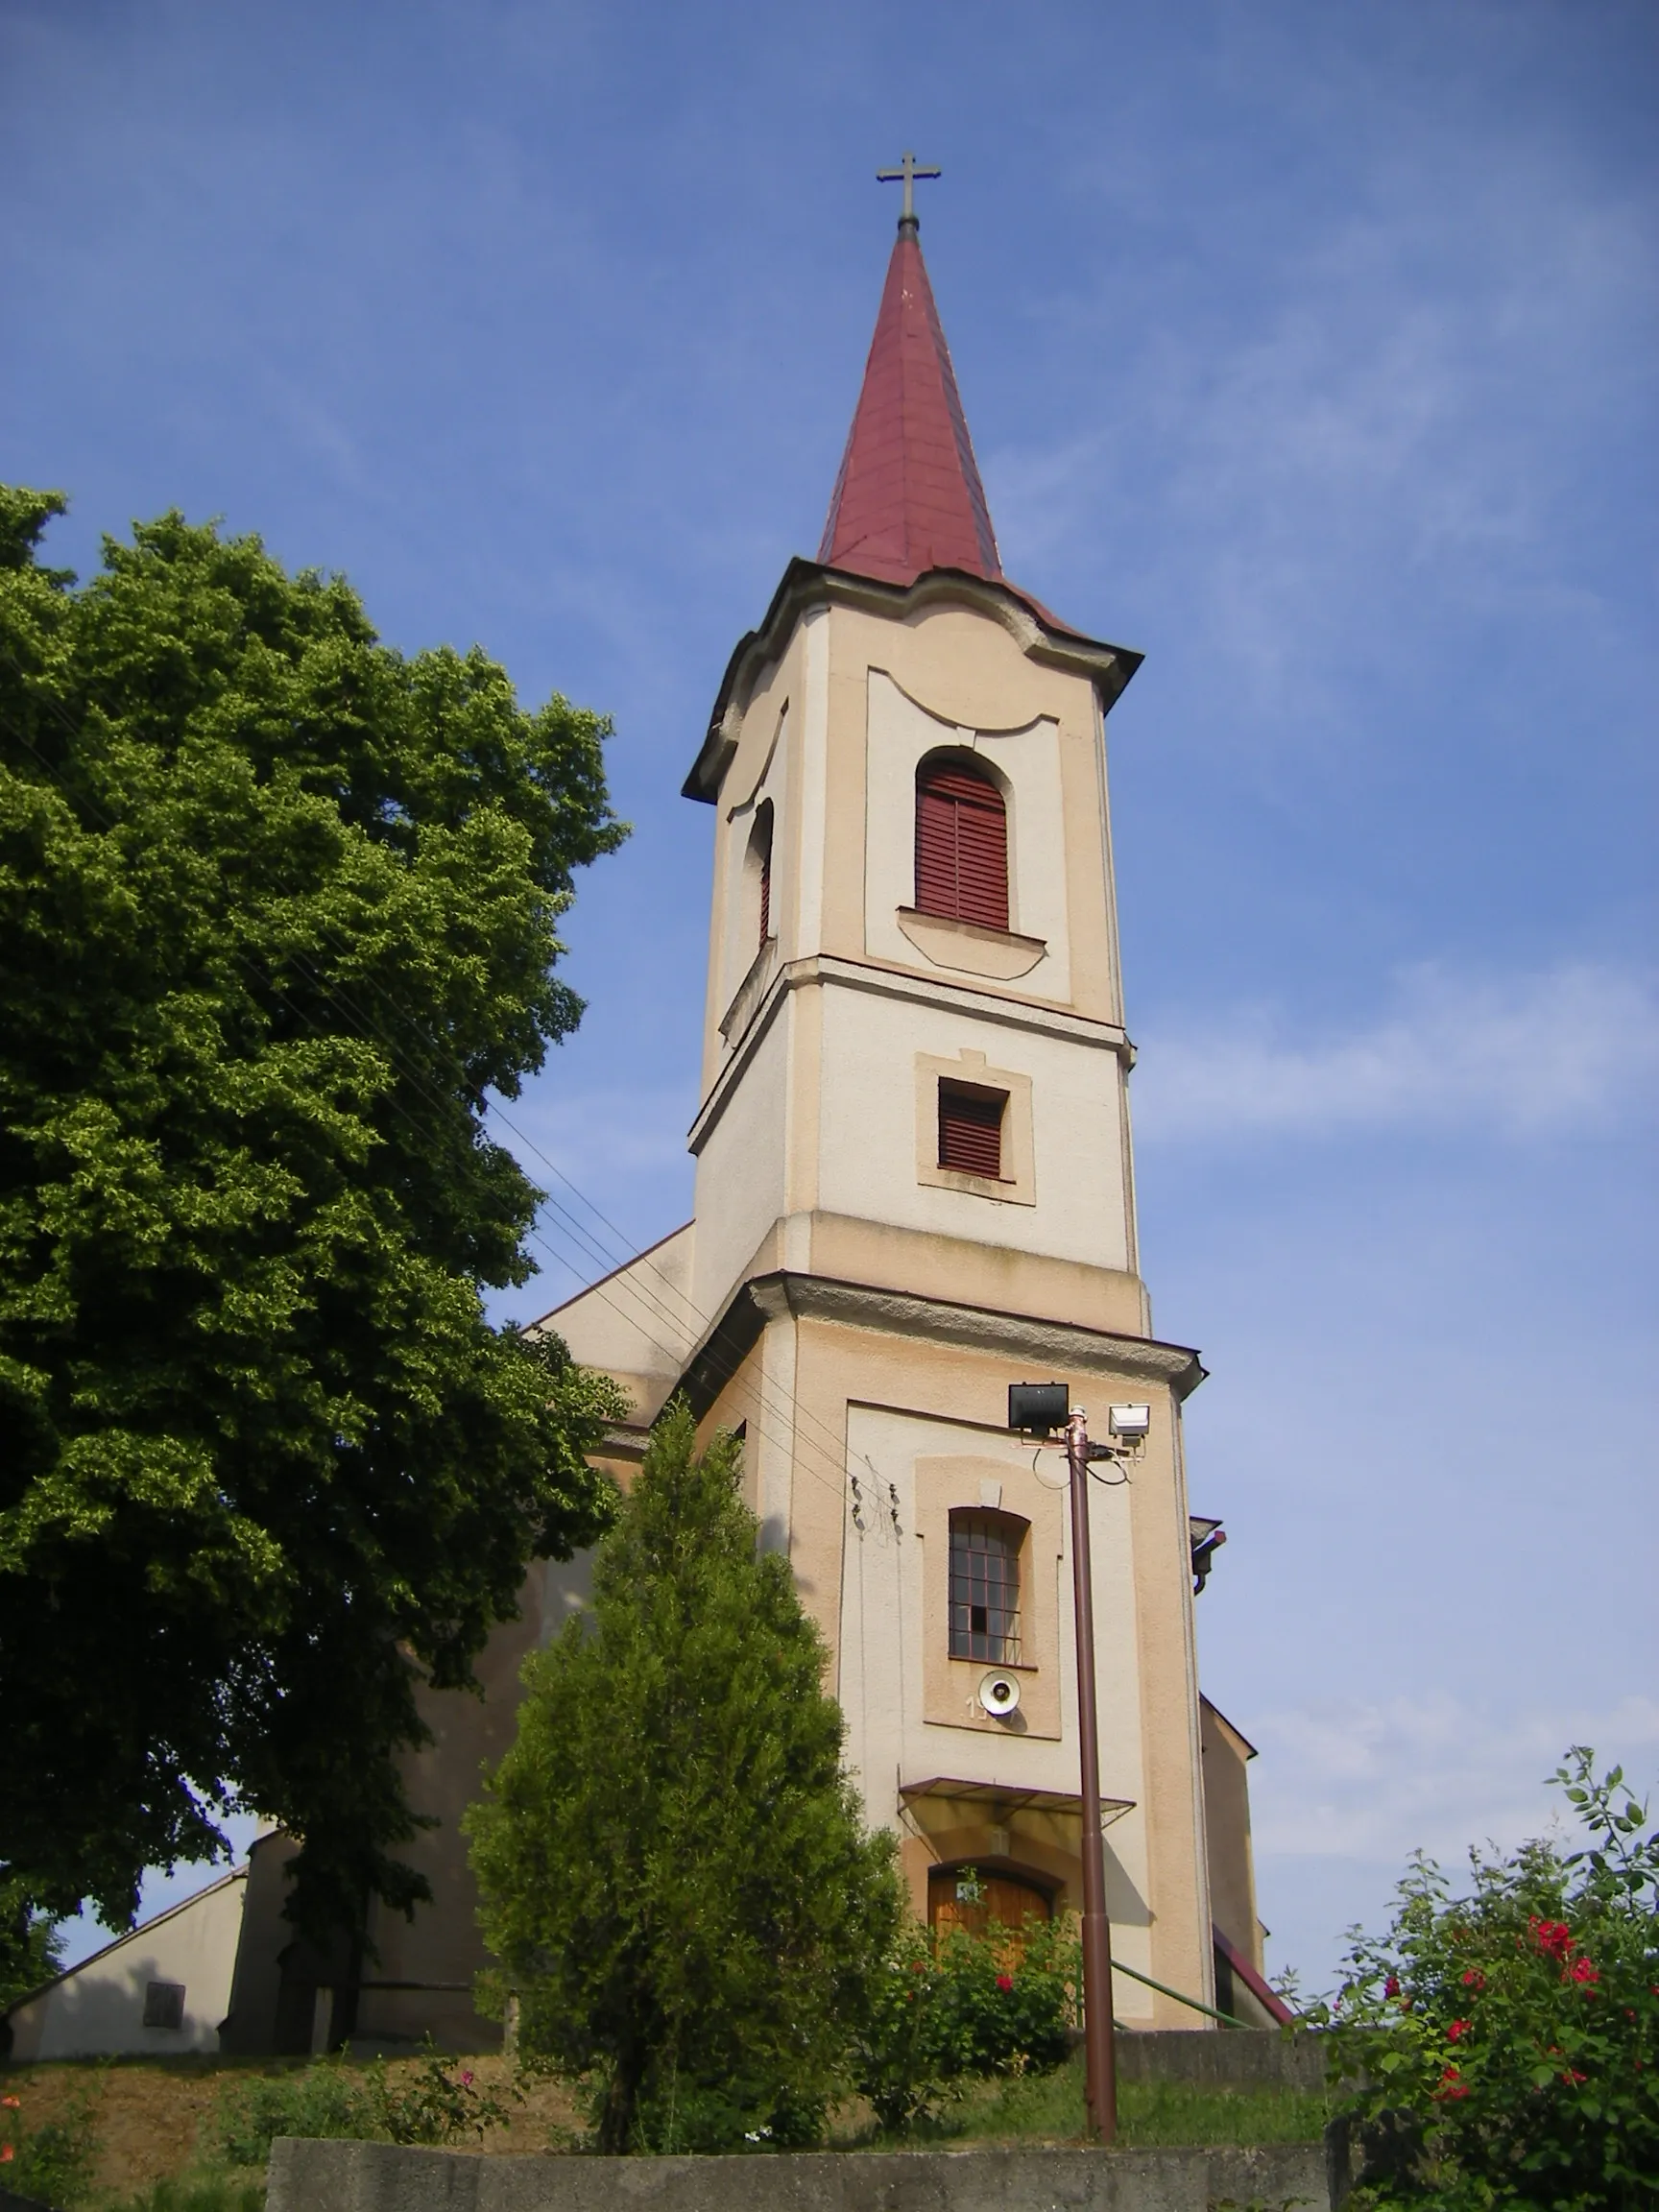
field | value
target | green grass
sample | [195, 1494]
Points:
[1048, 2108]
[206, 2193]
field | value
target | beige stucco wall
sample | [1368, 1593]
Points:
[867, 694]
[636, 1324]
[867, 1120]
[742, 1166]
[912, 1418]
[437, 1953]
[97, 2009]
[1026, 763]
[1227, 1826]
[766, 766]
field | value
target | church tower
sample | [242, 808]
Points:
[914, 1185]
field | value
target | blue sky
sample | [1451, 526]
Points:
[1308, 350]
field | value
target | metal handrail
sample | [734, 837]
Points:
[1163, 1989]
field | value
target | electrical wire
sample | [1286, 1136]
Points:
[611, 1264]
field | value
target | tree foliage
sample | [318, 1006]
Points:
[673, 1869]
[30, 1952]
[1508, 2039]
[279, 908]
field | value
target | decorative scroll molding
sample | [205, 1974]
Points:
[969, 947]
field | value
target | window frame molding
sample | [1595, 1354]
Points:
[950, 1687]
[969, 947]
[1017, 1184]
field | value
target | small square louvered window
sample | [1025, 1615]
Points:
[971, 1129]
[163, 2004]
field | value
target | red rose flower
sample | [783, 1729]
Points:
[1005, 1983]
[1452, 2084]
[1572, 2078]
[1459, 2028]
[1474, 1979]
[1581, 1970]
[1391, 1987]
[1553, 1938]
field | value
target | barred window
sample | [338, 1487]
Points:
[985, 1587]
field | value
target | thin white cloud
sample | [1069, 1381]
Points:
[1407, 422]
[1572, 1048]
[1376, 1781]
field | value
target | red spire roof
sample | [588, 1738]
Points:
[908, 497]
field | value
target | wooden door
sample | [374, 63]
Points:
[1002, 1900]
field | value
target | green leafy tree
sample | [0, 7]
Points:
[674, 1873]
[279, 908]
[30, 1952]
[1508, 2039]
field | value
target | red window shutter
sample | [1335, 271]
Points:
[935, 854]
[759, 858]
[970, 1130]
[961, 844]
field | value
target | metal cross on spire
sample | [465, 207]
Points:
[906, 175]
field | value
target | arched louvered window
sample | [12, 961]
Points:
[758, 869]
[961, 842]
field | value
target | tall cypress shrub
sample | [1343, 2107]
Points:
[675, 1874]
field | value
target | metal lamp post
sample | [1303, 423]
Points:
[1044, 1407]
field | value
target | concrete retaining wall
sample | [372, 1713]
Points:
[307, 2177]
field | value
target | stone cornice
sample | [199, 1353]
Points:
[805, 584]
[1041, 1019]
[1042, 1342]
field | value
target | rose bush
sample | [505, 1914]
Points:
[1510, 2037]
[957, 2006]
